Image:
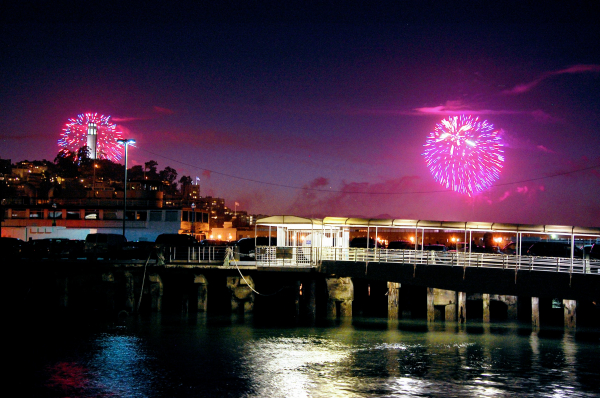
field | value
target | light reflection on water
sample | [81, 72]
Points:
[200, 357]
[115, 366]
[123, 366]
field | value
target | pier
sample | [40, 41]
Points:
[323, 277]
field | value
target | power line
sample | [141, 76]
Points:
[357, 192]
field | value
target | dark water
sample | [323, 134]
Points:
[196, 356]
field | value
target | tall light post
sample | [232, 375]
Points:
[125, 142]
[2, 203]
[193, 219]
[54, 214]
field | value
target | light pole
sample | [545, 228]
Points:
[125, 142]
[54, 214]
[2, 203]
[193, 219]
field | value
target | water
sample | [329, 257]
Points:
[199, 356]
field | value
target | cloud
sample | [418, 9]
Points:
[24, 137]
[450, 107]
[157, 111]
[318, 182]
[522, 88]
[127, 119]
[456, 106]
[544, 149]
[582, 168]
[525, 87]
[163, 111]
[543, 117]
[351, 196]
[517, 141]
[506, 195]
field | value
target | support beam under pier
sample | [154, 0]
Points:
[446, 303]
[570, 308]
[108, 284]
[341, 294]
[310, 290]
[129, 291]
[156, 292]
[486, 307]
[202, 284]
[461, 299]
[535, 313]
[393, 300]
[242, 293]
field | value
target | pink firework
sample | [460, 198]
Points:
[94, 131]
[464, 154]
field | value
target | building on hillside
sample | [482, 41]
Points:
[95, 211]
[76, 219]
[40, 204]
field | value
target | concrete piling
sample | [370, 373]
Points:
[341, 294]
[393, 300]
[202, 298]
[570, 313]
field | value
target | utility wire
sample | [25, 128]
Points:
[356, 192]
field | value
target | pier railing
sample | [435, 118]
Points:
[195, 254]
[270, 256]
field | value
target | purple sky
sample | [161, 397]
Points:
[326, 115]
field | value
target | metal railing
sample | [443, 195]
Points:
[194, 254]
[311, 257]
[272, 256]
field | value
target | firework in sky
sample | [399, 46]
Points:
[95, 131]
[464, 154]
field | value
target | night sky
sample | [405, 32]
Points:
[324, 111]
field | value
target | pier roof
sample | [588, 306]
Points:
[296, 222]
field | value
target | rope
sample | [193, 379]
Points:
[144, 280]
[228, 255]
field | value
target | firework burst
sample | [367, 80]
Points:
[464, 154]
[75, 135]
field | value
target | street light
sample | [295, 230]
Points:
[2, 203]
[193, 219]
[54, 214]
[125, 142]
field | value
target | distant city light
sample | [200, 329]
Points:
[464, 154]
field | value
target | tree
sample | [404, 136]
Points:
[169, 176]
[83, 156]
[136, 173]
[150, 170]
[66, 164]
[108, 170]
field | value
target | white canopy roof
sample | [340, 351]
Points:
[294, 222]
[291, 222]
